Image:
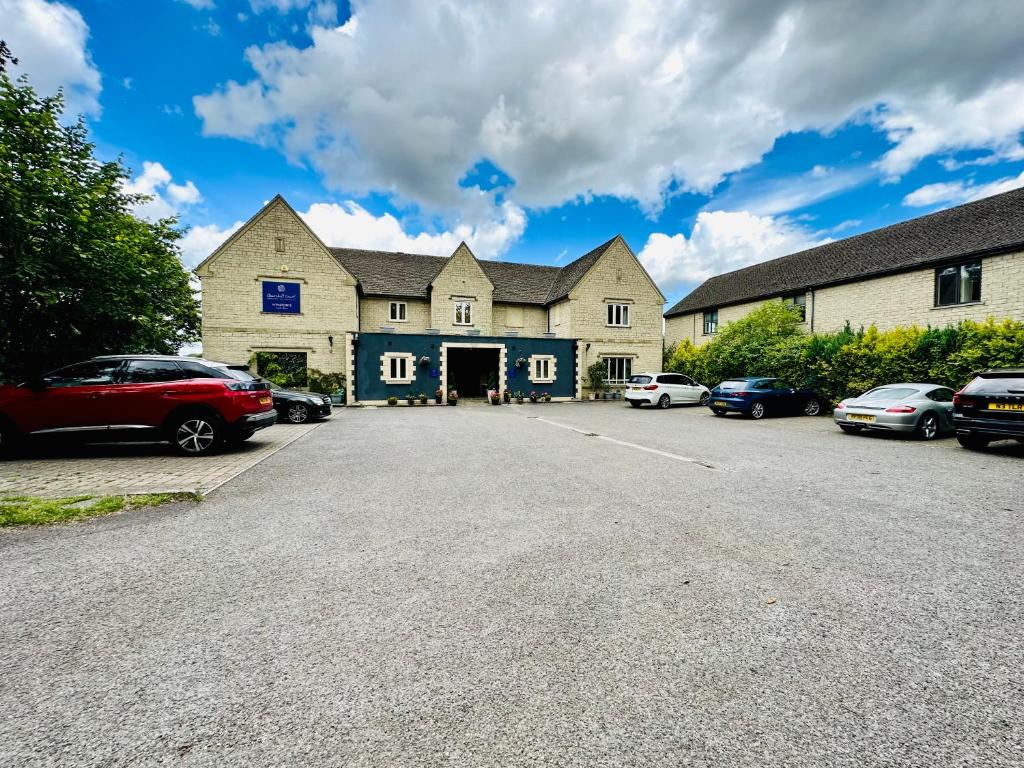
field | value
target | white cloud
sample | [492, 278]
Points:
[281, 6]
[49, 39]
[780, 194]
[200, 242]
[211, 27]
[720, 241]
[200, 4]
[963, 191]
[167, 198]
[350, 225]
[632, 98]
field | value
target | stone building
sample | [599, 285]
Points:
[396, 323]
[964, 263]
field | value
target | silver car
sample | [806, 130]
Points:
[923, 409]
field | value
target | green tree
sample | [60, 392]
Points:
[79, 274]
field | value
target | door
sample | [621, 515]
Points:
[669, 384]
[944, 405]
[75, 398]
[691, 392]
[788, 399]
[146, 392]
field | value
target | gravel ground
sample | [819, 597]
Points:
[479, 587]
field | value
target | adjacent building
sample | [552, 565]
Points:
[964, 263]
[396, 323]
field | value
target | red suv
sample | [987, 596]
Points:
[195, 404]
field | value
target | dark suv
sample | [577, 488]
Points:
[194, 404]
[990, 408]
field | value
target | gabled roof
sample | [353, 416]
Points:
[409, 275]
[989, 226]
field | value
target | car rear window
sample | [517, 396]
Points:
[239, 375]
[889, 393]
[733, 385]
[639, 379]
[996, 385]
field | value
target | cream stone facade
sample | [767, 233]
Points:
[346, 293]
[961, 263]
[903, 299]
[276, 246]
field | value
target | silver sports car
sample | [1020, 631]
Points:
[924, 409]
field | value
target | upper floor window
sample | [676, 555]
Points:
[958, 284]
[463, 313]
[397, 311]
[798, 300]
[710, 322]
[619, 369]
[279, 244]
[618, 315]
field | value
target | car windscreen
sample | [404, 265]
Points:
[890, 393]
[996, 385]
[732, 386]
[639, 379]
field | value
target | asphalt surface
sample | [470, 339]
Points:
[479, 587]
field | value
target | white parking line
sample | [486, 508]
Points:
[646, 449]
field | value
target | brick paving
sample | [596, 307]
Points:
[115, 469]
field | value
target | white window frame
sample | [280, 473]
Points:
[391, 363]
[617, 315]
[467, 312]
[625, 365]
[542, 369]
[398, 312]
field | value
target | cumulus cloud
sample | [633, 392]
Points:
[199, 242]
[200, 4]
[349, 224]
[634, 98]
[720, 241]
[166, 197]
[963, 191]
[50, 41]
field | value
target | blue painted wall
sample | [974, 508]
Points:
[370, 346]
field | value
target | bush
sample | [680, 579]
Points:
[768, 342]
[597, 375]
[325, 383]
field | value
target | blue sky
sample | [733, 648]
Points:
[710, 134]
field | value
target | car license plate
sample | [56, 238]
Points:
[1006, 406]
[859, 417]
[720, 402]
[264, 401]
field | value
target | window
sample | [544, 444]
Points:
[397, 311]
[149, 371]
[279, 244]
[618, 315]
[959, 284]
[200, 371]
[397, 368]
[542, 369]
[798, 300]
[619, 369]
[463, 313]
[941, 395]
[710, 322]
[89, 374]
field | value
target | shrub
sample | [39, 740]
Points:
[327, 383]
[392, 400]
[768, 342]
[597, 375]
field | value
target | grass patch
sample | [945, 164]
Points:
[32, 510]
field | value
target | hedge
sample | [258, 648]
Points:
[769, 342]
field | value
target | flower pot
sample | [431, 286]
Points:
[437, 400]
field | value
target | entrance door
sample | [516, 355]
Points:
[472, 372]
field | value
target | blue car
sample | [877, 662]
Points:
[756, 396]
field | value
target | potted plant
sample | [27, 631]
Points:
[423, 398]
[519, 398]
[597, 375]
[616, 395]
[410, 398]
[533, 397]
[507, 396]
[494, 396]
[424, 361]
[520, 362]
[392, 400]
[438, 395]
[453, 397]
[547, 397]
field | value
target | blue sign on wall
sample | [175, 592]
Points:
[281, 297]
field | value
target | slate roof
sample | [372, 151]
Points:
[409, 275]
[988, 226]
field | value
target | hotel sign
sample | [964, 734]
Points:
[281, 298]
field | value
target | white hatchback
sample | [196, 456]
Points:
[665, 389]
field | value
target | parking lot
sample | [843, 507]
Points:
[554, 584]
